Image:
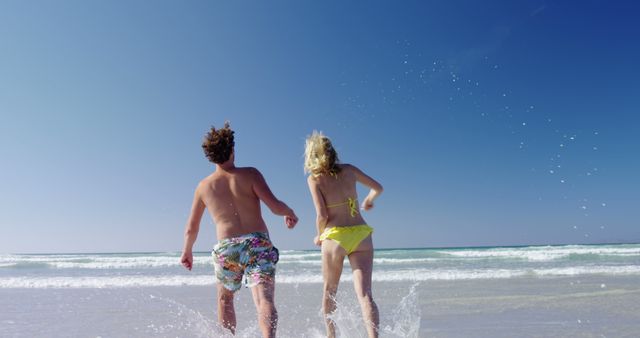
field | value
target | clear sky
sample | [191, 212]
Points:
[488, 123]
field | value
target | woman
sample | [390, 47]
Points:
[341, 229]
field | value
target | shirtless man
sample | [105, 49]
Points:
[232, 195]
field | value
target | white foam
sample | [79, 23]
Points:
[547, 253]
[128, 261]
[286, 255]
[415, 275]
[395, 261]
[99, 262]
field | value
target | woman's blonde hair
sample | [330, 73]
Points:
[319, 155]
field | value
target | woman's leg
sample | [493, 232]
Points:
[361, 261]
[332, 261]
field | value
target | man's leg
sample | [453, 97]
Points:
[226, 311]
[263, 297]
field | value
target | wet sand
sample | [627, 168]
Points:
[588, 306]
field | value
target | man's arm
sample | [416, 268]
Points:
[192, 228]
[261, 189]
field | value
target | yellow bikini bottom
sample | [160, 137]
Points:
[348, 237]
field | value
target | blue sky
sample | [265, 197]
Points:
[501, 123]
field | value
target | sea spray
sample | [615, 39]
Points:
[405, 321]
[182, 321]
[348, 318]
[179, 320]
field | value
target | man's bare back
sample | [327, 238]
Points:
[232, 200]
[232, 195]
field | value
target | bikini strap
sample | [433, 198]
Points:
[353, 206]
[351, 203]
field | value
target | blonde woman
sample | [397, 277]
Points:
[341, 229]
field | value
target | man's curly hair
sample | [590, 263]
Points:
[218, 144]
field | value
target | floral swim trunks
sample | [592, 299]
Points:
[252, 256]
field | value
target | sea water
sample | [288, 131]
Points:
[420, 292]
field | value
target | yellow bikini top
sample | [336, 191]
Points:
[351, 202]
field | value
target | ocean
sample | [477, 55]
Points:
[565, 290]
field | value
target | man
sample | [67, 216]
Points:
[232, 195]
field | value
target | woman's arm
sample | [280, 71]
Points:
[322, 216]
[376, 188]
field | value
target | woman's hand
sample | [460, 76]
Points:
[367, 204]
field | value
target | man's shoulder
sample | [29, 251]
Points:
[205, 182]
[248, 170]
[249, 173]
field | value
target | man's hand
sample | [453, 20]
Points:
[317, 241]
[187, 260]
[291, 220]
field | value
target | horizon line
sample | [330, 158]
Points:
[383, 248]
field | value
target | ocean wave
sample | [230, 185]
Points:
[107, 263]
[98, 262]
[174, 263]
[497, 257]
[416, 275]
[287, 255]
[544, 254]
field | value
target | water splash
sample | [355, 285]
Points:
[185, 321]
[348, 319]
[403, 323]
[406, 316]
